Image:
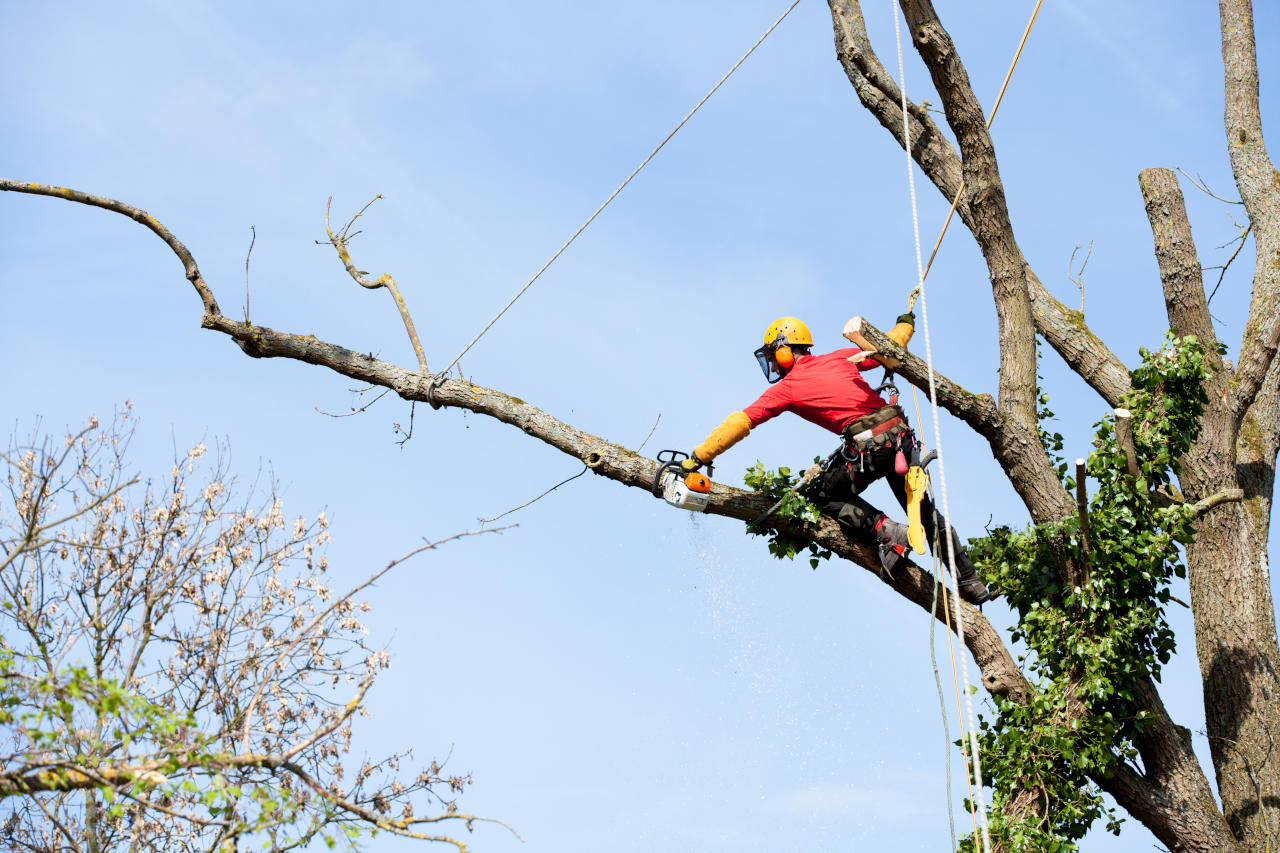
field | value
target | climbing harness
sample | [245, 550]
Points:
[440, 377]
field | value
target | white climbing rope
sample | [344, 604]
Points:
[978, 797]
[620, 188]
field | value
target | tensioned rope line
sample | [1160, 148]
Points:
[440, 376]
[937, 431]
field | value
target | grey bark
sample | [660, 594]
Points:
[1235, 622]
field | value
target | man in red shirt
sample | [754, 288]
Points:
[829, 390]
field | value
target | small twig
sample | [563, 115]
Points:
[650, 435]
[1078, 275]
[1222, 268]
[1204, 188]
[253, 239]
[535, 500]
[407, 435]
[363, 408]
[307, 632]
[339, 242]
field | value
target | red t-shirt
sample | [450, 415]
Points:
[823, 389]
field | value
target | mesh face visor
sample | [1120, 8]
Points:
[768, 367]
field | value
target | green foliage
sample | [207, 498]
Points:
[1091, 645]
[780, 486]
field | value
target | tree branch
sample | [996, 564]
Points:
[1180, 273]
[339, 242]
[1016, 446]
[1063, 328]
[882, 97]
[138, 215]
[1258, 181]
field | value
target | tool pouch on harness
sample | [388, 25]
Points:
[876, 430]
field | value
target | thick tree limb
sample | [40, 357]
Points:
[1000, 674]
[1258, 181]
[989, 212]
[1180, 273]
[1016, 446]
[882, 97]
[1172, 798]
[1063, 328]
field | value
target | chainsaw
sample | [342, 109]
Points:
[689, 490]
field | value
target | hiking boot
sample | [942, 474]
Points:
[972, 589]
[892, 540]
[890, 532]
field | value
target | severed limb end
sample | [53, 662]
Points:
[853, 333]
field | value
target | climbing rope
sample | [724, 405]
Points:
[440, 376]
[970, 754]
[922, 271]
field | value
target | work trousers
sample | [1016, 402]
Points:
[841, 485]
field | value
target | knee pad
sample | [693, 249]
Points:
[856, 519]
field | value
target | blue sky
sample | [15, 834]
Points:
[616, 674]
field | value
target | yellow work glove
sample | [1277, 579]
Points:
[729, 433]
[691, 464]
[902, 331]
[917, 486]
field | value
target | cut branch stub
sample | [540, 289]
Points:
[853, 334]
[1082, 501]
[1124, 438]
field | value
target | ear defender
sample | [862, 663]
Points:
[784, 356]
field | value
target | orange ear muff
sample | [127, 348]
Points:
[784, 356]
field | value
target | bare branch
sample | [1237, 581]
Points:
[535, 500]
[248, 255]
[1077, 276]
[339, 242]
[1200, 184]
[1222, 268]
[651, 431]
[363, 408]
[307, 632]
[134, 213]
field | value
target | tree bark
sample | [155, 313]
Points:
[1064, 329]
[1230, 583]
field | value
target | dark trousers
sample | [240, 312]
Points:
[841, 485]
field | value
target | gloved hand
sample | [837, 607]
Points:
[693, 463]
[905, 326]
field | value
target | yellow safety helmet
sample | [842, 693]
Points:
[775, 357]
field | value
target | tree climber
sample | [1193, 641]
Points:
[829, 390]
